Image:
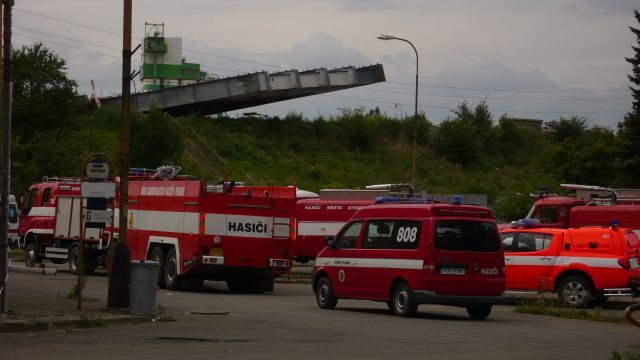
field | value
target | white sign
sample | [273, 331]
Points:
[98, 190]
[98, 216]
[97, 169]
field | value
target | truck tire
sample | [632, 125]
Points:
[30, 255]
[171, 277]
[74, 260]
[324, 294]
[479, 312]
[158, 255]
[575, 291]
[402, 301]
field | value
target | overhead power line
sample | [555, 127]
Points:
[506, 90]
[140, 39]
[66, 45]
[66, 38]
[491, 97]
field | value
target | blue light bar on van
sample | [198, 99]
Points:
[393, 199]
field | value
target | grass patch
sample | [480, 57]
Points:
[160, 310]
[552, 307]
[16, 253]
[73, 293]
[87, 322]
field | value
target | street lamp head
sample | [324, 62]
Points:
[386, 37]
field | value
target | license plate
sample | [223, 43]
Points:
[634, 263]
[451, 271]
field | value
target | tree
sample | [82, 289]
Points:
[155, 140]
[44, 98]
[467, 136]
[570, 128]
[629, 128]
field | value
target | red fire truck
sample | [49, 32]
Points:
[592, 205]
[196, 230]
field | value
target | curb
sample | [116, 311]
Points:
[26, 270]
[37, 325]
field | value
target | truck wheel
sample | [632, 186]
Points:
[575, 291]
[403, 302]
[324, 294]
[158, 256]
[30, 255]
[74, 260]
[479, 312]
[171, 278]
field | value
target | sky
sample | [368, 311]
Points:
[528, 59]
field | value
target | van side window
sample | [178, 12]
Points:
[392, 234]
[464, 235]
[349, 237]
[45, 197]
[507, 241]
[532, 242]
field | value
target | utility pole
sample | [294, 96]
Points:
[120, 277]
[5, 178]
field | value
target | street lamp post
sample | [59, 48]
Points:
[415, 115]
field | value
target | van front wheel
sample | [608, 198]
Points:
[324, 294]
[479, 312]
[402, 301]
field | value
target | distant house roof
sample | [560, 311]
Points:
[531, 124]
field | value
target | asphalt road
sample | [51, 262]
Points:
[288, 324]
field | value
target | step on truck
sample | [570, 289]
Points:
[195, 229]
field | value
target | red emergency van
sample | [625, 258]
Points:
[407, 254]
[584, 265]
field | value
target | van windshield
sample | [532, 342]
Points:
[13, 213]
[466, 235]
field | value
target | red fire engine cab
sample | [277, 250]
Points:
[197, 230]
[592, 205]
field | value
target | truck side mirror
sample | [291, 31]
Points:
[330, 242]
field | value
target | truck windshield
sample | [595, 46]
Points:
[466, 235]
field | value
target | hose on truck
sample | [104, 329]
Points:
[628, 314]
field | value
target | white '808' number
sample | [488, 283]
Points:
[407, 234]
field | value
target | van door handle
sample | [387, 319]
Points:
[593, 245]
[352, 253]
[545, 258]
